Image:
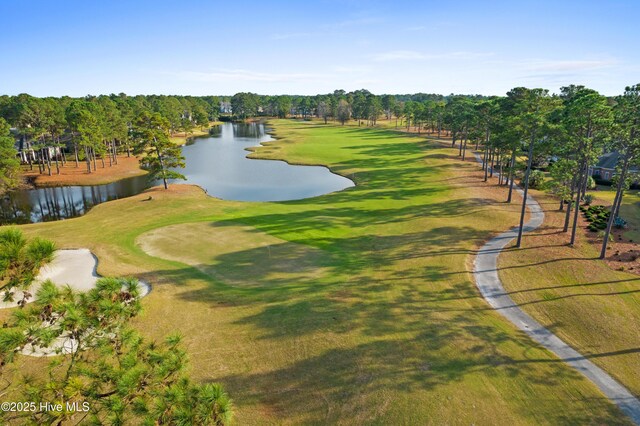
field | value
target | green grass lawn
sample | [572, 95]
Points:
[629, 210]
[583, 300]
[355, 307]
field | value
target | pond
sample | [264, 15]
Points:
[216, 163]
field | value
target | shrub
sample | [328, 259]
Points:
[601, 235]
[536, 179]
[588, 199]
[619, 222]
[591, 183]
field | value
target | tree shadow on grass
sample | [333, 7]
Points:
[357, 383]
[357, 216]
[352, 378]
[573, 285]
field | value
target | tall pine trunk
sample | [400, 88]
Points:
[617, 201]
[87, 158]
[567, 216]
[576, 209]
[48, 150]
[511, 174]
[491, 162]
[485, 163]
[526, 191]
[464, 149]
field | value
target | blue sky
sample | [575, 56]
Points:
[74, 48]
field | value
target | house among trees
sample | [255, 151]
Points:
[225, 107]
[605, 168]
[28, 154]
[25, 152]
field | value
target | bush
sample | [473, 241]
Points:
[601, 235]
[536, 179]
[591, 183]
[619, 222]
[588, 199]
[596, 213]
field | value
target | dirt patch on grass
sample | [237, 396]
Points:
[233, 253]
[72, 175]
[623, 253]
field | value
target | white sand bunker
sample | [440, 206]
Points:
[76, 268]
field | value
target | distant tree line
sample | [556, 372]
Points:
[340, 106]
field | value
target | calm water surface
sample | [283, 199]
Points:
[217, 163]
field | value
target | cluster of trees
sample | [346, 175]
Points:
[92, 129]
[419, 110]
[9, 163]
[108, 374]
[567, 133]
[360, 105]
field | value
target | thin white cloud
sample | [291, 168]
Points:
[363, 81]
[286, 36]
[243, 75]
[571, 65]
[351, 69]
[398, 55]
[550, 73]
[412, 55]
[356, 22]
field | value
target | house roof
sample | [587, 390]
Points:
[610, 160]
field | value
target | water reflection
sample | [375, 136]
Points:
[47, 204]
[219, 165]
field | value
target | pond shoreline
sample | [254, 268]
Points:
[216, 168]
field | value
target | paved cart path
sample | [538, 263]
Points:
[485, 272]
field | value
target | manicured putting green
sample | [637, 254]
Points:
[235, 254]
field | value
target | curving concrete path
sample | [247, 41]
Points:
[485, 272]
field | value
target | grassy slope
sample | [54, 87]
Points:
[390, 329]
[589, 305]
